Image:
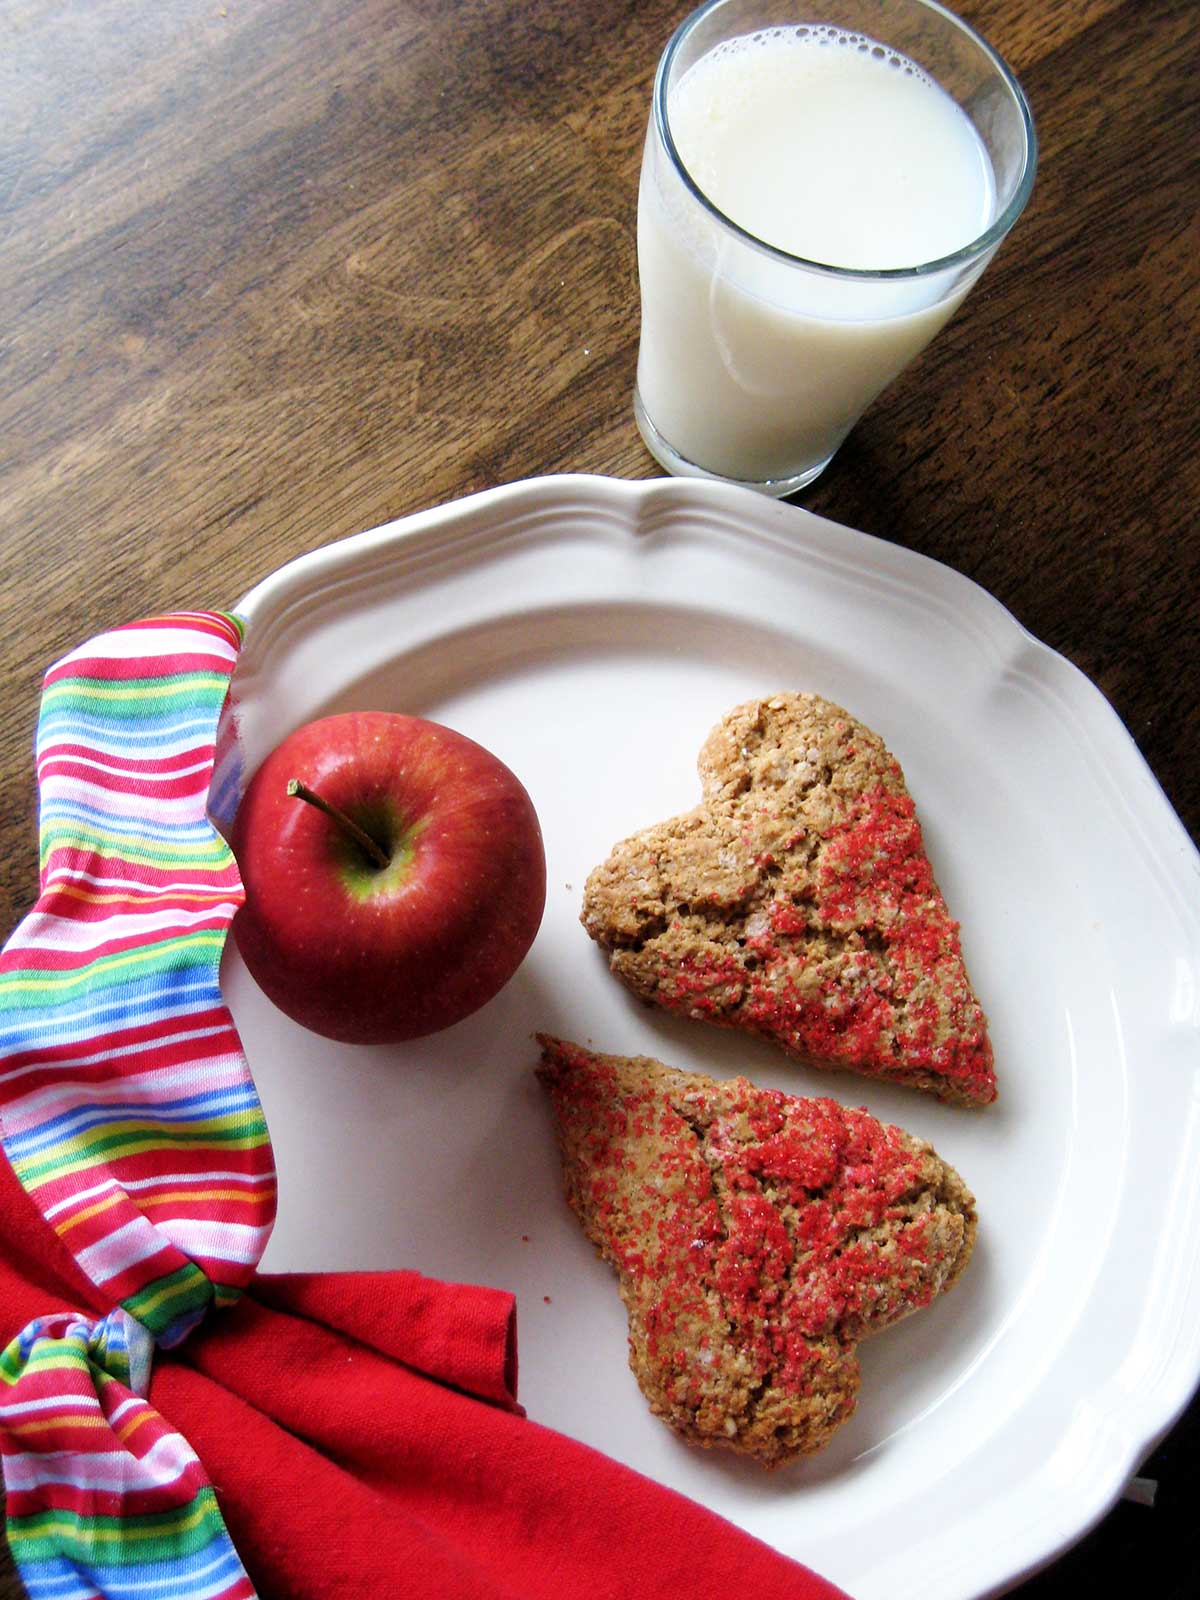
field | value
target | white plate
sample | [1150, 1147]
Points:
[590, 631]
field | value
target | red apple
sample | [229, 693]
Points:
[371, 945]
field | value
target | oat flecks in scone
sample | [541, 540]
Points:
[757, 1238]
[796, 901]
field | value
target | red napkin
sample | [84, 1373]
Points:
[362, 1433]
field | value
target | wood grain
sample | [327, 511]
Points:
[274, 273]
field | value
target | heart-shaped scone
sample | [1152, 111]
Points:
[797, 901]
[757, 1238]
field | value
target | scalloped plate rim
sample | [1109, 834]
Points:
[643, 509]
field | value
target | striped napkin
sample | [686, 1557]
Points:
[128, 1113]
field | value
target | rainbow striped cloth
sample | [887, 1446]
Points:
[128, 1112]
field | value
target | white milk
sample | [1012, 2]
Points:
[828, 147]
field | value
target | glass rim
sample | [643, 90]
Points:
[963, 256]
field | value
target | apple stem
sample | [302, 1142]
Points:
[361, 837]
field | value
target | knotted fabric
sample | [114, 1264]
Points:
[360, 1431]
[127, 1112]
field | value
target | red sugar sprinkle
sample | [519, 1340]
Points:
[744, 1211]
[896, 1001]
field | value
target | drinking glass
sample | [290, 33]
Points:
[755, 363]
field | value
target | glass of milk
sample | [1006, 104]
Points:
[823, 181]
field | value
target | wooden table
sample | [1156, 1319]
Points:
[272, 273]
